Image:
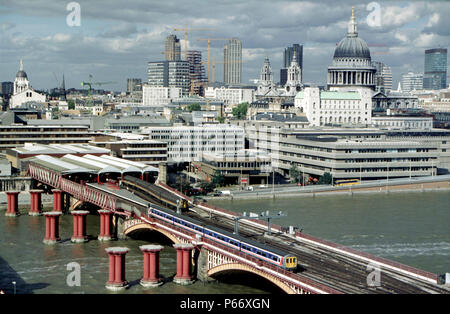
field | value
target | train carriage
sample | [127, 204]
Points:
[255, 249]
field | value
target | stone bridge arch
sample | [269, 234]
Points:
[145, 226]
[246, 268]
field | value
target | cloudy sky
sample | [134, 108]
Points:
[117, 38]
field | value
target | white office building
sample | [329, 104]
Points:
[158, 96]
[412, 81]
[231, 96]
[189, 143]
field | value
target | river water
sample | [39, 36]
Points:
[412, 228]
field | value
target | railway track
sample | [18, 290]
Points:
[335, 270]
[332, 269]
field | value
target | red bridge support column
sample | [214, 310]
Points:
[151, 266]
[57, 200]
[105, 225]
[52, 227]
[35, 203]
[79, 226]
[117, 279]
[184, 260]
[12, 207]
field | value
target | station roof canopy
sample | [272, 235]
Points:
[97, 167]
[59, 149]
[59, 165]
[144, 167]
[74, 163]
[116, 164]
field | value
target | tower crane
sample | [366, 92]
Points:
[209, 52]
[90, 83]
[213, 66]
[186, 29]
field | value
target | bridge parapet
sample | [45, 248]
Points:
[77, 190]
[219, 254]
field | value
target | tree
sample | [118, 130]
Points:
[326, 178]
[218, 179]
[221, 119]
[183, 184]
[240, 112]
[71, 104]
[194, 107]
[295, 174]
[207, 186]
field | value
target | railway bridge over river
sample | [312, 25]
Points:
[324, 267]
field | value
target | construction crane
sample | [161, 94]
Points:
[90, 83]
[186, 29]
[209, 52]
[213, 66]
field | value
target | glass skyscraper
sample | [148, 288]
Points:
[435, 74]
[288, 56]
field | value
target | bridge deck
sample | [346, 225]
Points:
[337, 270]
[122, 194]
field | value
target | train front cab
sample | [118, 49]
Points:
[290, 262]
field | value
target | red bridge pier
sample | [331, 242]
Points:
[117, 279]
[79, 226]
[151, 266]
[105, 225]
[12, 207]
[57, 200]
[52, 227]
[35, 203]
[184, 264]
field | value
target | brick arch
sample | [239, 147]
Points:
[236, 266]
[143, 225]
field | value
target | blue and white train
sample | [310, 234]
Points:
[252, 248]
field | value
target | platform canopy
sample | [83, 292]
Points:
[59, 165]
[98, 167]
[144, 167]
[123, 167]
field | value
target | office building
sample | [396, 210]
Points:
[189, 143]
[383, 77]
[355, 153]
[243, 167]
[134, 85]
[170, 74]
[149, 152]
[412, 81]
[435, 74]
[173, 48]
[155, 96]
[231, 96]
[232, 58]
[288, 56]
[196, 72]
[16, 136]
[7, 88]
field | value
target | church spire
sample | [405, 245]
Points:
[21, 65]
[352, 30]
[294, 58]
